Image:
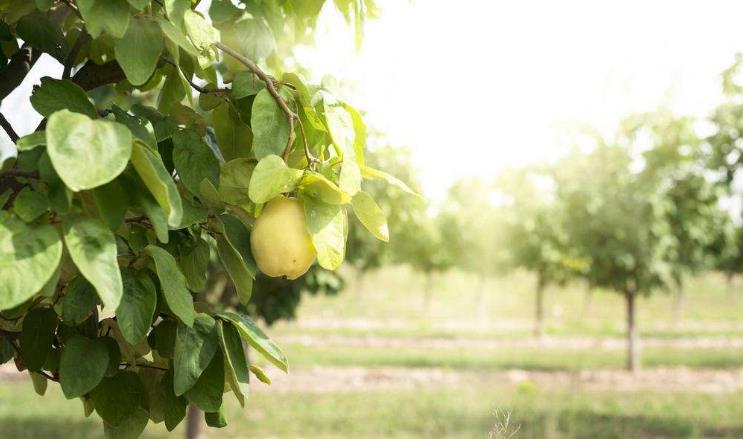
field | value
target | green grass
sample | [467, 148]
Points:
[393, 299]
[423, 413]
[529, 359]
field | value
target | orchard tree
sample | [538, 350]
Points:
[535, 236]
[618, 222]
[473, 230]
[115, 205]
[676, 164]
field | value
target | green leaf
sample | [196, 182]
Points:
[139, 125]
[236, 365]
[194, 261]
[260, 374]
[340, 125]
[194, 160]
[83, 364]
[162, 338]
[370, 215]
[234, 181]
[31, 141]
[130, 428]
[137, 307]
[112, 203]
[206, 393]
[87, 153]
[257, 338]
[30, 256]
[173, 284]
[234, 137]
[37, 30]
[350, 178]
[239, 238]
[317, 186]
[61, 94]
[216, 419]
[92, 248]
[153, 211]
[7, 352]
[194, 349]
[251, 37]
[36, 338]
[111, 16]
[40, 383]
[119, 397]
[139, 50]
[236, 268]
[376, 174]
[328, 227]
[202, 34]
[209, 195]
[246, 84]
[175, 406]
[272, 177]
[79, 301]
[139, 4]
[114, 355]
[28, 205]
[177, 36]
[270, 126]
[157, 179]
[151, 379]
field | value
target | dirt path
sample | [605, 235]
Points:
[334, 379]
[556, 343]
[348, 379]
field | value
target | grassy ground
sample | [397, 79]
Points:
[390, 304]
[421, 413]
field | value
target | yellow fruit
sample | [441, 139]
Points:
[280, 242]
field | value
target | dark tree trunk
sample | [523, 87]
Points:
[539, 308]
[633, 347]
[730, 282]
[193, 422]
[678, 306]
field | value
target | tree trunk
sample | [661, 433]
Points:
[588, 302]
[678, 306]
[427, 291]
[193, 422]
[633, 347]
[539, 309]
[730, 282]
[480, 298]
[359, 287]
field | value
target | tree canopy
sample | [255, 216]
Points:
[161, 141]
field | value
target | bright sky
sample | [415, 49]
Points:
[474, 85]
[470, 86]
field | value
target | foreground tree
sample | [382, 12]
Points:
[112, 209]
[617, 221]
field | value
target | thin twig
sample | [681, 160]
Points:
[310, 158]
[253, 67]
[13, 172]
[8, 128]
[70, 60]
[148, 366]
[195, 86]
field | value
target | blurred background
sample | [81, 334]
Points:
[572, 266]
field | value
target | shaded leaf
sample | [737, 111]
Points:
[92, 248]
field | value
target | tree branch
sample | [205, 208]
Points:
[18, 67]
[70, 60]
[253, 67]
[8, 128]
